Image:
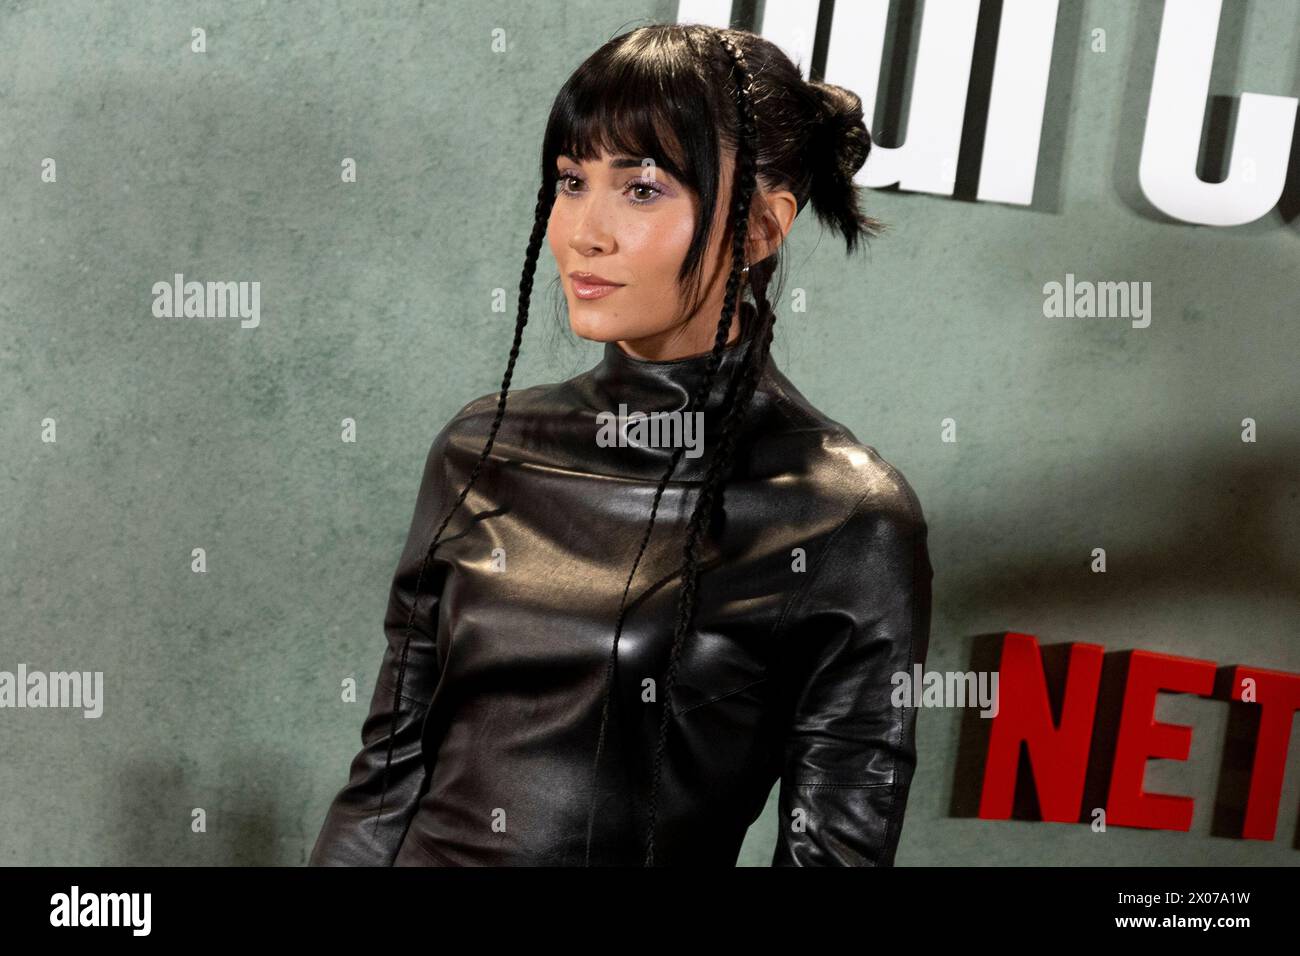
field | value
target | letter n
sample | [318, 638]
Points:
[1057, 749]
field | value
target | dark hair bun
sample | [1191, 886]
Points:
[841, 137]
[838, 145]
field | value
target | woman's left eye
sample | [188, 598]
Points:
[645, 184]
[648, 185]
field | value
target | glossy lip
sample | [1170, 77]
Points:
[588, 285]
[590, 278]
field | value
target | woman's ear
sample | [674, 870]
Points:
[770, 220]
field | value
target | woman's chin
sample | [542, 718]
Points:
[591, 322]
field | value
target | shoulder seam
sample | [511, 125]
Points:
[913, 503]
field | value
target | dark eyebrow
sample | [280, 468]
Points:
[622, 162]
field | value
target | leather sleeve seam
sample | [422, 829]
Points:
[410, 700]
[816, 572]
[850, 785]
[725, 694]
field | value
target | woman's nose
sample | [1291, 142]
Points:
[591, 229]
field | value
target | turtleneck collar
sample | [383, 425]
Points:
[629, 388]
[646, 385]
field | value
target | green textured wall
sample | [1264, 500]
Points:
[376, 304]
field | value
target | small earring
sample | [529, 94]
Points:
[745, 271]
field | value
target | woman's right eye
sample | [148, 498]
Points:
[560, 185]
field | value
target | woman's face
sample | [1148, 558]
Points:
[630, 225]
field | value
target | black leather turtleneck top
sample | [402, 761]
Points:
[813, 594]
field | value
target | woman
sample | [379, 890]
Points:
[562, 687]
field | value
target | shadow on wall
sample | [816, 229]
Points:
[247, 820]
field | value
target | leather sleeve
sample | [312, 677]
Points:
[354, 832]
[849, 752]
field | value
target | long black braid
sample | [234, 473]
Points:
[545, 199]
[750, 368]
[737, 396]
